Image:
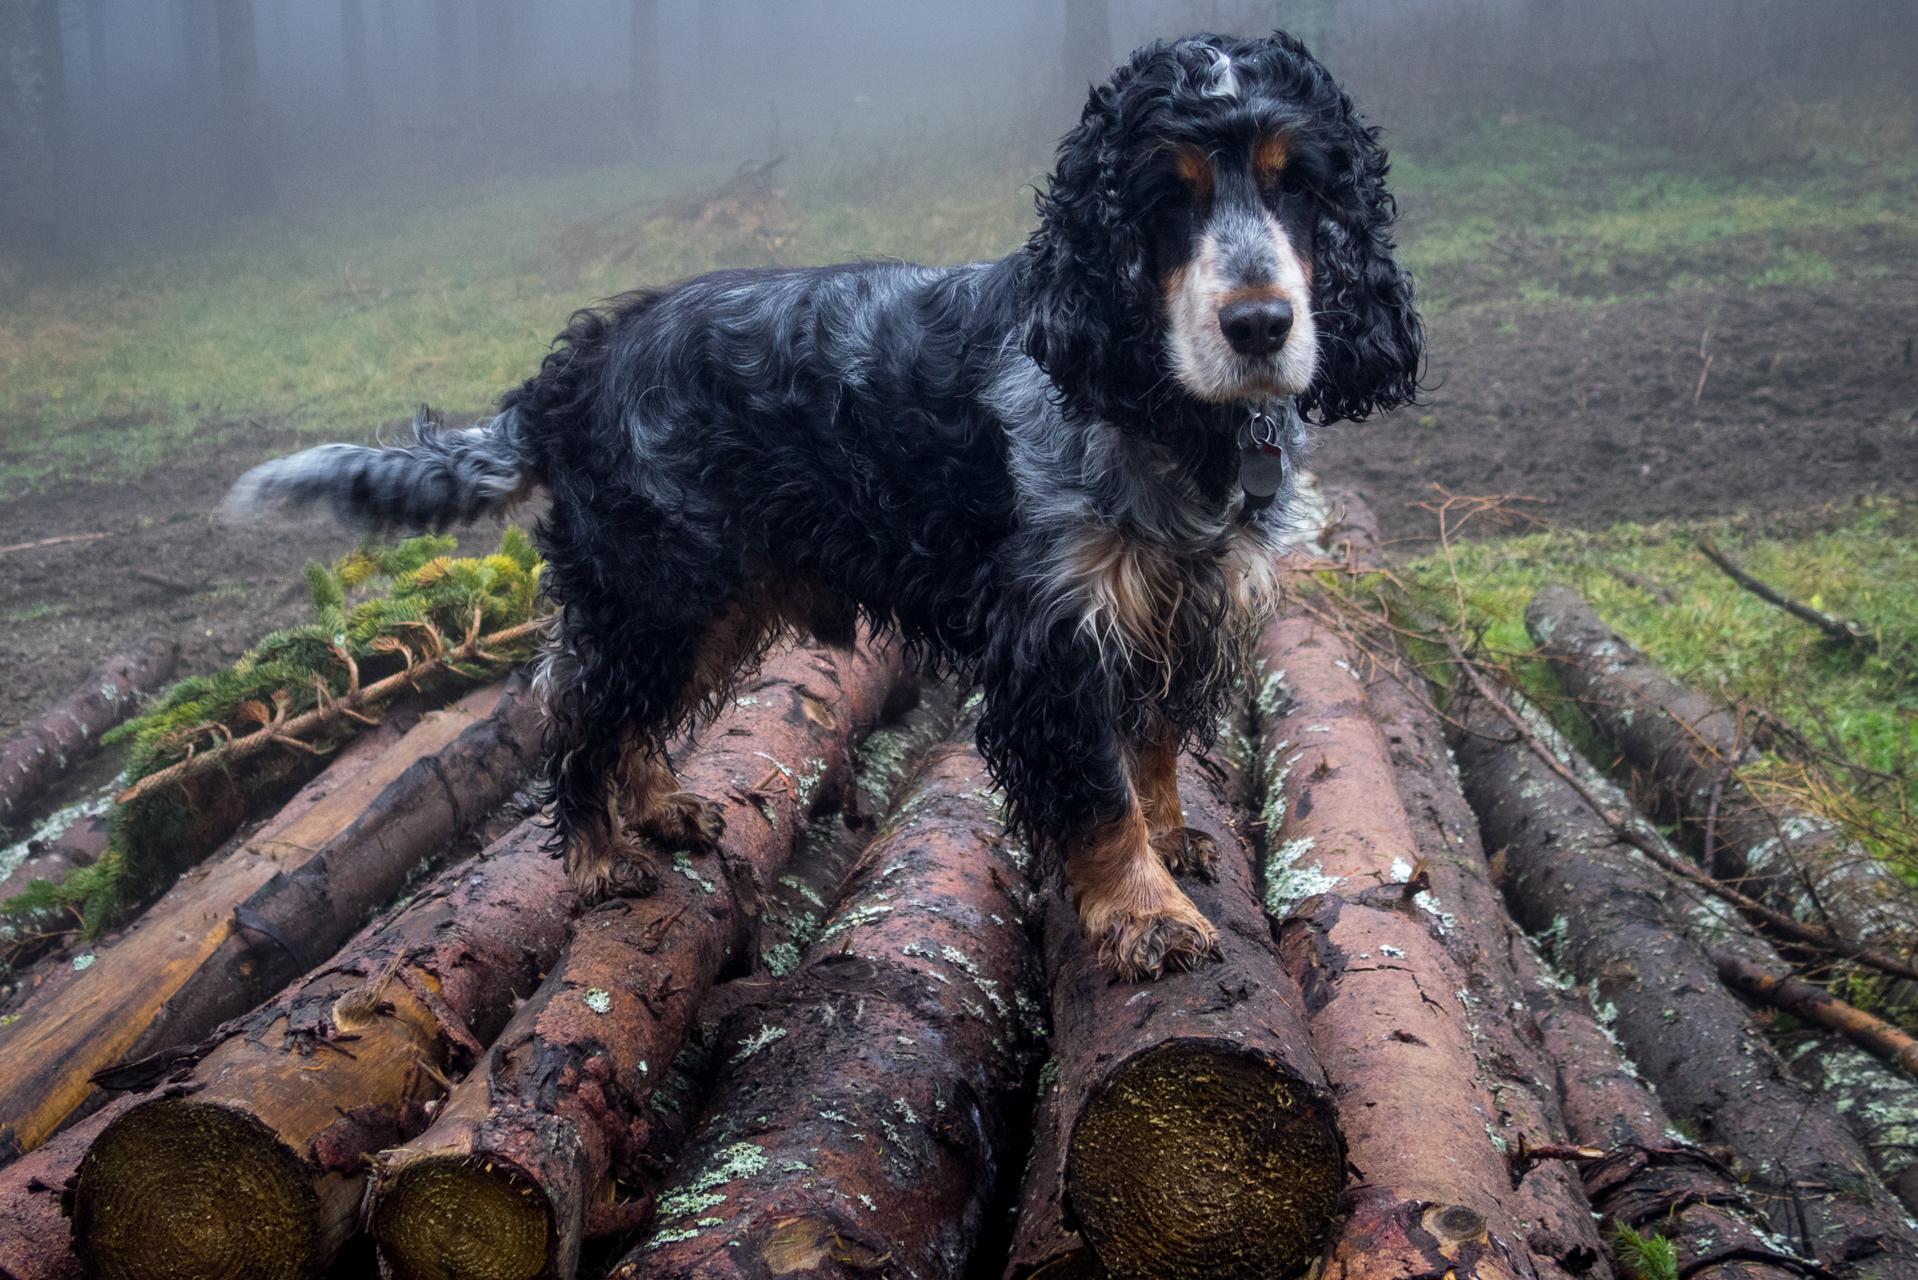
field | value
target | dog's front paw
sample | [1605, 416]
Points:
[1140, 945]
[601, 866]
[685, 820]
[1188, 849]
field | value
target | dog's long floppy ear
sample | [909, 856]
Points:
[1088, 295]
[1371, 342]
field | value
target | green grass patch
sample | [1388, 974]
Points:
[1855, 704]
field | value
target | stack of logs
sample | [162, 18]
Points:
[1454, 1026]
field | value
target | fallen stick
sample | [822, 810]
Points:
[873, 1101]
[1647, 1179]
[1567, 879]
[558, 1110]
[69, 731]
[1792, 863]
[335, 714]
[54, 542]
[254, 1161]
[1842, 630]
[218, 944]
[1394, 1014]
[1819, 1005]
[1187, 1128]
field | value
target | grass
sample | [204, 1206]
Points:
[1856, 705]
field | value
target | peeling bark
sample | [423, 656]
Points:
[1795, 862]
[557, 1113]
[1608, 920]
[1186, 1129]
[1650, 1179]
[1396, 954]
[871, 1103]
[285, 899]
[272, 1133]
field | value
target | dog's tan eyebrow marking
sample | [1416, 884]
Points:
[1269, 155]
[1194, 167]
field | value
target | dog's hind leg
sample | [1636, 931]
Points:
[1155, 774]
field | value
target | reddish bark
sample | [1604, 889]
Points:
[69, 731]
[1187, 1130]
[1795, 862]
[874, 1100]
[500, 1183]
[1605, 912]
[1815, 1004]
[1404, 1014]
[217, 945]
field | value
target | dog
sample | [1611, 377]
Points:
[1059, 476]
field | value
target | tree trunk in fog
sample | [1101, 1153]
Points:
[1088, 47]
[97, 44]
[242, 105]
[643, 69]
[353, 51]
[1312, 21]
[713, 63]
[35, 146]
[446, 47]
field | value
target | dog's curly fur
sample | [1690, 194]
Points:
[1028, 468]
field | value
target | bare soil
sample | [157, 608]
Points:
[1811, 397]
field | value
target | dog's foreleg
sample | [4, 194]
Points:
[1155, 774]
[1135, 916]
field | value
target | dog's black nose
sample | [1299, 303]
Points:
[1256, 327]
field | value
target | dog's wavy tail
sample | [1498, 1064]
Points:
[441, 478]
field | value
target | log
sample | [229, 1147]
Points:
[255, 1162]
[1649, 1178]
[1878, 1101]
[1609, 923]
[69, 731]
[1188, 1130]
[79, 842]
[1549, 1198]
[873, 1102]
[557, 1112]
[217, 945]
[1795, 862]
[1397, 1006]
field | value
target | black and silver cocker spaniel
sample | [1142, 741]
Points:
[1060, 475]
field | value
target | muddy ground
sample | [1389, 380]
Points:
[1811, 396]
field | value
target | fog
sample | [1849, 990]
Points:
[128, 124]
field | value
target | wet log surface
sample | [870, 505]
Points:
[69, 731]
[870, 1107]
[1795, 862]
[1398, 1005]
[1611, 924]
[558, 1111]
[257, 1157]
[1815, 1004]
[1186, 1130]
[221, 942]
[1649, 1179]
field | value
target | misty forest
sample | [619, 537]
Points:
[1554, 828]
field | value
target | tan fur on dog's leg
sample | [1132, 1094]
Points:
[1155, 773]
[1137, 920]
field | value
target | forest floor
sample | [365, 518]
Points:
[1616, 340]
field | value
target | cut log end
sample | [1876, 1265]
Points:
[466, 1216]
[248, 1207]
[1246, 1166]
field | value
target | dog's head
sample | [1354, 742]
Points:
[1218, 226]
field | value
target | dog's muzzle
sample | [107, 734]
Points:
[1256, 327]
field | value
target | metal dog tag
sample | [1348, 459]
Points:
[1263, 465]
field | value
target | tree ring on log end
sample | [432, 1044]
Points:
[175, 1190]
[1204, 1159]
[466, 1216]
